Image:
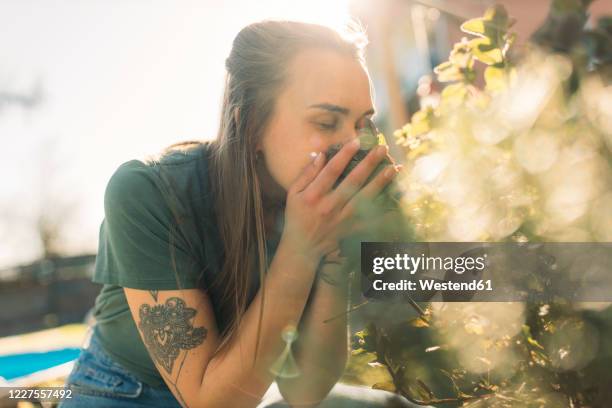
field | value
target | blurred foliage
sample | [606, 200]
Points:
[524, 158]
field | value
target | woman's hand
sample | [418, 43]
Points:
[317, 216]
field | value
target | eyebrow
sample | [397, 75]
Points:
[335, 108]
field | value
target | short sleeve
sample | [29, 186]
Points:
[141, 246]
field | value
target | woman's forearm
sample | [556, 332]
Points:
[234, 378]
[321, 350]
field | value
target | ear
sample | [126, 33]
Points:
[259, 146]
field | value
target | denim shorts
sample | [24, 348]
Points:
[97, 381]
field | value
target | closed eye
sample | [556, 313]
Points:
[327, 126]
[332, 126]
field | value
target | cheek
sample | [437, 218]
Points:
[318, 143]
[286, 159]
[288, 152]
[282, 170]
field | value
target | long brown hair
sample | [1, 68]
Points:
[256, 71]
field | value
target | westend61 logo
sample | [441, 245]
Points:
[413, 264]
[487, 271]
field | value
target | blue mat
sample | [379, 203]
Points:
[17, 365]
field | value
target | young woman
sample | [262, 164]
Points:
[212, 251]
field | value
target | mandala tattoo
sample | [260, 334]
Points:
[167, 330]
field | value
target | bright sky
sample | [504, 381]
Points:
[121, 79]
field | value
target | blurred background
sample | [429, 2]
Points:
[86, 86]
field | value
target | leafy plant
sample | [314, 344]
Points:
[525, 157]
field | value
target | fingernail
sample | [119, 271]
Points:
[355, 143]
[319, 159]
[313, 155]
[399, 167]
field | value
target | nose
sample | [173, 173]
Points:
[340, 138]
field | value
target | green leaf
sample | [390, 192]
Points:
[461, 55]
[530, 339]
[381, 139]
[485, 52]
[387, 386]
[474, 26]
[426, 389]
[419, 322]
[416, 388]
[421, 121]
[447, 72]
[442, 67]
[495, 78]
[535, 343]
[494, 22]
[454, 93]
[366, 338]
[459, 66]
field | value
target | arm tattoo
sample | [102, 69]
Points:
[325, 277]
[167, 329]
[329, 280]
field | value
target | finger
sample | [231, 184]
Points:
[309, 173]
[371, 190]
[378, 183]
[356, 178]
[330, 173]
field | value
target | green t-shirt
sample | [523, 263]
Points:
[158, 213]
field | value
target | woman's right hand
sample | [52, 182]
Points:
[317, 216]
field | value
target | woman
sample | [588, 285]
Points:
[212, 251]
